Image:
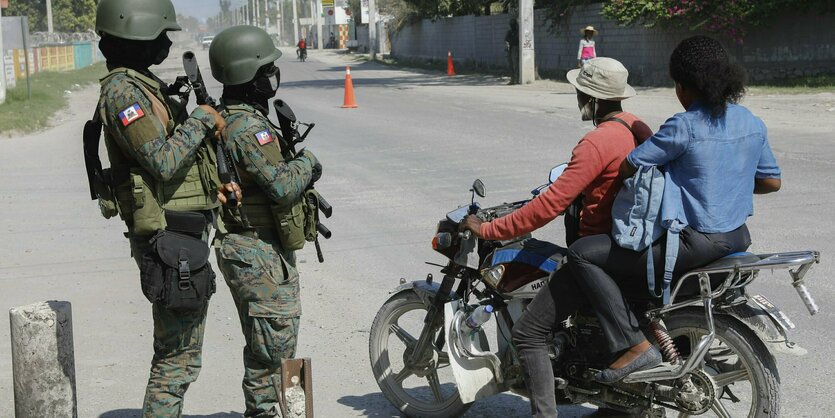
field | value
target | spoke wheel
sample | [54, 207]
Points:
[745, 373]
[424, 388]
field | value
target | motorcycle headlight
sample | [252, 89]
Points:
[442, 241]
[493, 275]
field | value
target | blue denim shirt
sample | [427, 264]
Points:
[710, 166]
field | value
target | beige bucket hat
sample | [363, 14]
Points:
[602, 78]
[589, 27]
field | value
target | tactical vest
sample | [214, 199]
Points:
[263, 213]
[140, 197]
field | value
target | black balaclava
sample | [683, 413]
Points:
[257, 92]
[136, 55]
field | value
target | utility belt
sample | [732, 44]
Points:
[288, 225]
[267, 234]
[176, 273]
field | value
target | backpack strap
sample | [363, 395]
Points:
[625, 125]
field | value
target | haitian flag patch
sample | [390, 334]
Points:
[131, 114]
[264, 137]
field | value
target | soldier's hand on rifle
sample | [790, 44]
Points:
[226, 188]
[314, 163]
[220, 123]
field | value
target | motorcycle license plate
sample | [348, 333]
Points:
[774, 312]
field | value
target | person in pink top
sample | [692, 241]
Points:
[587, 50]
[592, 173]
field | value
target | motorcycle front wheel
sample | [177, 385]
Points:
[743, 369]
[422, 389]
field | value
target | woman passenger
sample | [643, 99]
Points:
[716, 156]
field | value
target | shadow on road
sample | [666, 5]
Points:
[375, 405]
[419, 77]
[134, 413]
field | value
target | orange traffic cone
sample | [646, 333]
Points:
[450, 69]
[349, 101]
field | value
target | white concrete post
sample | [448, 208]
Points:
[43, 361]
[527, 62]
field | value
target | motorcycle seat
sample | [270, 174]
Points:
[734, 260]
[690, 288]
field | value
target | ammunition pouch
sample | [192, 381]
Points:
[139, 204]
[176, 273]
[290, 225]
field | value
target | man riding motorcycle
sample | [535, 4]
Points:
[591, 173]
[302, 48]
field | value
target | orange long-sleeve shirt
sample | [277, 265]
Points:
[592, 171]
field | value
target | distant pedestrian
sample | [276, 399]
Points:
[511, 40]
[587, 50]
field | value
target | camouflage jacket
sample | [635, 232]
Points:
[141, 125]
[263, 159]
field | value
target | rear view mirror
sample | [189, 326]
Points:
[556, 172]
[478, 188]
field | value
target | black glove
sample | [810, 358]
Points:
[314, 164]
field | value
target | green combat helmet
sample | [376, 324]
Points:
[237, 53]
[137, 20]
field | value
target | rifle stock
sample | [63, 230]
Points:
[226, 172]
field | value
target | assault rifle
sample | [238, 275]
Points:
[289, 126]
[227, 173]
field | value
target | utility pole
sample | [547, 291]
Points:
[312, 20]
[279, 17]
[267, 15]
[372, 29]
[2, 63]
[257, 14]
[295, 24]
[319, 11]
[527, 68]
[49, 16]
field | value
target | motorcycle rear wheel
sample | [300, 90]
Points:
[744, 370]
[417, 391]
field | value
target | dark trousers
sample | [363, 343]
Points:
[602, 268]
[582, 281]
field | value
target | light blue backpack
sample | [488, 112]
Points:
[637, 223]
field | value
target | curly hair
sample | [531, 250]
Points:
[701, 64]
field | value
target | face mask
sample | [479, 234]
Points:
[161, 47]
[267, 84]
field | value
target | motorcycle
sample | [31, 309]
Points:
[302, 54]
[718, 341]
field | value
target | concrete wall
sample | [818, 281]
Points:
[793, 45]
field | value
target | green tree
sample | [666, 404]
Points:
[729, 18]
[67, 15]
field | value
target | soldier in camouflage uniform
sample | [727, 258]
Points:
[161, 160]
[257, 256]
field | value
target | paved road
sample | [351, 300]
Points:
[392, 168]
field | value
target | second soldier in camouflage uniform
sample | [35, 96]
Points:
[161, 160]
[257, 255]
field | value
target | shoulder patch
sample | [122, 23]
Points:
[264, 137]
[130, 114]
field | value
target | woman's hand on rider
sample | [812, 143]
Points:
[472, 223]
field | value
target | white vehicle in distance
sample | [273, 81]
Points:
[206, 41]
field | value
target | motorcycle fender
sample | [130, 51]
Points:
[474, 376]
[769, 330]
[426, 291]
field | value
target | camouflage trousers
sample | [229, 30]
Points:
[178, 342]
[265, 287]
